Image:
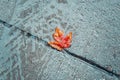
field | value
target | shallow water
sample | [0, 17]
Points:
[96, 36]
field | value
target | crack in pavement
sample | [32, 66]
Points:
[93, 63]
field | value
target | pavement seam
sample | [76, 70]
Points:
[93, 63]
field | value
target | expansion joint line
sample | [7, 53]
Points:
[94, 64]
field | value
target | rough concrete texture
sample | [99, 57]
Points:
[96, 35]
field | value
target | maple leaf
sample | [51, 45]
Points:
[61, 41]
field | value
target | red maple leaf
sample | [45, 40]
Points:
[61, 41]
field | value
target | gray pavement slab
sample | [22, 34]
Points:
[96, 36]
